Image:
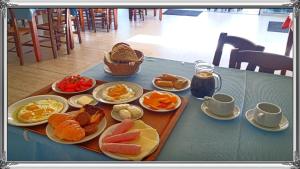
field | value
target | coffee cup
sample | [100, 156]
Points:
[220, 104]
[267, 114]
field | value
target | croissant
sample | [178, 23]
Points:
[57, 118]
[69, 130]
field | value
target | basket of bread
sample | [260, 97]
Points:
[123, 60]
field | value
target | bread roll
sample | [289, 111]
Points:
[119, 44]
[168, 77]
[180, 84]
[69, 130]
[123, 53]
[164, 83]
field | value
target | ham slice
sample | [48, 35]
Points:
[127, 149]
[129, 136]
[123, 127]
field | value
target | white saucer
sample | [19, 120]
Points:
[74, 103]
[284, 123]
[235, 114]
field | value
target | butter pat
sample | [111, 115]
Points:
[83, 100]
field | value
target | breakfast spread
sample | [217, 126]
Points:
[75, 83]
[77, 124]
[171, 81]
[123, 53]
[118, 92]
[156, 100]
[38, 111]
[127, 111]
[131, 140]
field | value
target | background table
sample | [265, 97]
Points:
[196, 137]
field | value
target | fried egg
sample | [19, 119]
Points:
[39, 110]
[129, 93]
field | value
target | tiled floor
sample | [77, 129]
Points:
[180, 38]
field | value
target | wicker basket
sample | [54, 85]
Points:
[125, 69]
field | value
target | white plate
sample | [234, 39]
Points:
[235, 114]
[101, 127]
[173, 89]
[160, 110]
[73, 100]
[56, 89]
[13, 108]
[284, 123]
[98, 92]
[116, 116]
[114, 156]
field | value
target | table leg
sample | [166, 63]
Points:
[160, 14]
[134, 14]
[35, 39]
[116, 19]
[52, 34]
[69, 24]
[81, 18]
[92, 14]
[130, 14]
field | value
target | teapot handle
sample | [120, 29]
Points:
[219, 81]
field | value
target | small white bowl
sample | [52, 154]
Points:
[115, 115]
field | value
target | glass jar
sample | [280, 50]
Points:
[204, 80]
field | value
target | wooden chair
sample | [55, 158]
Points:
[58, 23]
[76, 23]
[289, 43]
[133, 13]
[154, 13]
[48, 30]
[84, 17]
[112, 18]
[100, 15]
[267, 62]
[236, 42]
[15, 32]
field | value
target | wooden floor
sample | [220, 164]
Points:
[175, 37]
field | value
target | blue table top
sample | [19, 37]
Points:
[196, 137]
